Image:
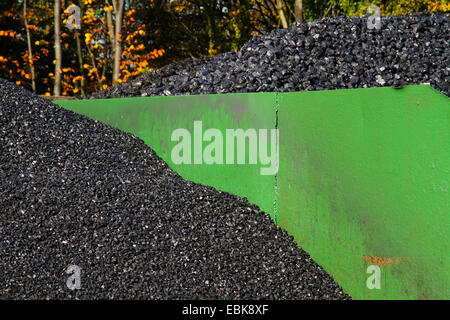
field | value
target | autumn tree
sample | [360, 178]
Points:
[15, 62]
[117, 49]
[298, 10]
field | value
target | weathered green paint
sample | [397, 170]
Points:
[363, 172]
[154, 119]
[366, 172]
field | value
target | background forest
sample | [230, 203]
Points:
[119, 39]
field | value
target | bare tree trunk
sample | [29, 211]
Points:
[80, 61]
[58, 56]
[30, 53]
[299, 10]
[281, 14]
[109, 24]
[118, 11]
[209, 18]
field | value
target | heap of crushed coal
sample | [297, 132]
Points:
[333, 53]
[76, 192]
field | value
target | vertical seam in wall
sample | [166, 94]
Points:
[275, 199]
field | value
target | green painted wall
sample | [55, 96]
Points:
[363, 172]
[366, 172]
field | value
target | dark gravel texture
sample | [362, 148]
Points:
[326, 54]
[74, 191]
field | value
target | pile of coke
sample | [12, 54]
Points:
[333, 53]
[78, 195]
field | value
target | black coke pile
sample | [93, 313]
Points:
[78, 195]
[333, 53]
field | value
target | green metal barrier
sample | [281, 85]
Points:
[363, 174]
[366, 173]
[154, 120]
